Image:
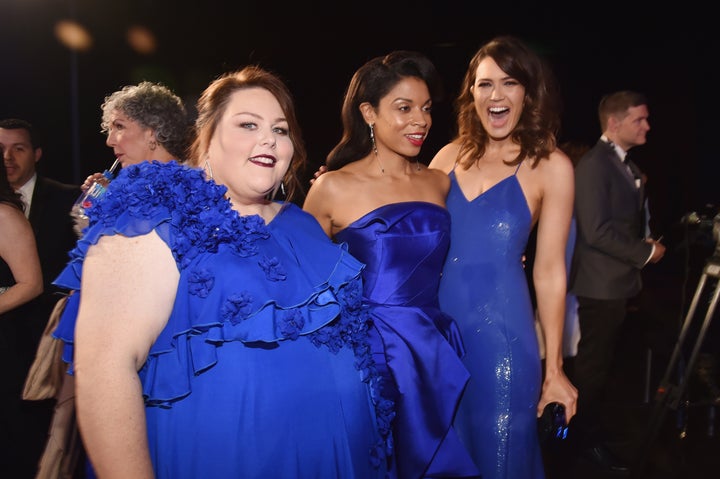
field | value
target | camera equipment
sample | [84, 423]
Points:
[669, 393]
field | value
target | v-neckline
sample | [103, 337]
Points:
[462, 192]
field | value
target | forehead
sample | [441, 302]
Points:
[409, 88]
[255, 100]
[488, 68]
[14, 136]
[636, 112]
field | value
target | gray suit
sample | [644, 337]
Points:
[610, 251]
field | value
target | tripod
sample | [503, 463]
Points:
[669, 394]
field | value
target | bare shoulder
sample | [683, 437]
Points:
[446, 157]
[12, 218]
[557, 165]
[331, 183]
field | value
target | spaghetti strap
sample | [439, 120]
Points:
[518, 167]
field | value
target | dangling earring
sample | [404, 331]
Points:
[209, 169]
[282, 188]
[374, 147]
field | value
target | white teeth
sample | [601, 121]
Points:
[417, 137]
[498, 109]
[262, 159]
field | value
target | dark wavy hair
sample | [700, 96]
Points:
[370, 84]
[212, 105]
[540, 119]
[153, 106]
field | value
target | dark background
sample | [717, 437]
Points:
[667, 53]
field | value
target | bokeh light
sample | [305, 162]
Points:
[141, 39]
[73, 35]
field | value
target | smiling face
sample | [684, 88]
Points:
[498, 99]
[403, 117]
[250, 150]
[129, 140]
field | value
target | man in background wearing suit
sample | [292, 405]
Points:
[47, 205]
[610, 251]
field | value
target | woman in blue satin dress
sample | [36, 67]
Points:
[507, 176]
[390, 211]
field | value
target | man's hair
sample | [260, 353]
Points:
[617, 104]
[17, 124]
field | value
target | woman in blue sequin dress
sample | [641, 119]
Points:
[216, 332]
[506, 177]
[390, 211]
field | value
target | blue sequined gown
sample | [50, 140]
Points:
[485, 289]
[260, 370]
[416, 346]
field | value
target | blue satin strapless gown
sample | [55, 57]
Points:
[416, 347]
[484, 288]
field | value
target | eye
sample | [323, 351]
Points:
[483, 84]
[281, 131]
[427, 108]
[511, 83]
[248, 125]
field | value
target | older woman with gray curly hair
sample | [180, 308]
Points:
[145, 122]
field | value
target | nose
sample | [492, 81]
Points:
[110, 140]
[267, 138]
[421, 119]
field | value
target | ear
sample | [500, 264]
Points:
[38, 154]
[368, 112]
[612, 123]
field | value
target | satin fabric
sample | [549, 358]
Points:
[484, 287]
[417, 348]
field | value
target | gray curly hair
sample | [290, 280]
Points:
[154, 106]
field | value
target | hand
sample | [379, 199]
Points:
[91, 179]
[558, 388]
[659, 250]
[318, 173]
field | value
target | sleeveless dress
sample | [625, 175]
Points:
[263, 369]
[417, 348]
[485, 289]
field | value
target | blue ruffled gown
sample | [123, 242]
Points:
[485, 289]
[417, 347]
[263, 369]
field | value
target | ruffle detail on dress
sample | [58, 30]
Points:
[188, 345]
[195, 219]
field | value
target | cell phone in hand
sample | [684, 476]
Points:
[552, 425]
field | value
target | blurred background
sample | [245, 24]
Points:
[60, 58]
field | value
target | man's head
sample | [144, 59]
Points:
[624, 118]
[20, 150]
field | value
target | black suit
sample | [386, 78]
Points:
[25, 423]
[606, 271]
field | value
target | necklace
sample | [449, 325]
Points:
[382, 169]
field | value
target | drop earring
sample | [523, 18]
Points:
[374, 147]
[209, 169]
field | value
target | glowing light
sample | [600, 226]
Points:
[73, 35]
[141, 40]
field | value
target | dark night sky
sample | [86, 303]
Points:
[316, 50]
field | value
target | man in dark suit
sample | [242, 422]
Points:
[610, 252]
[48, 205]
